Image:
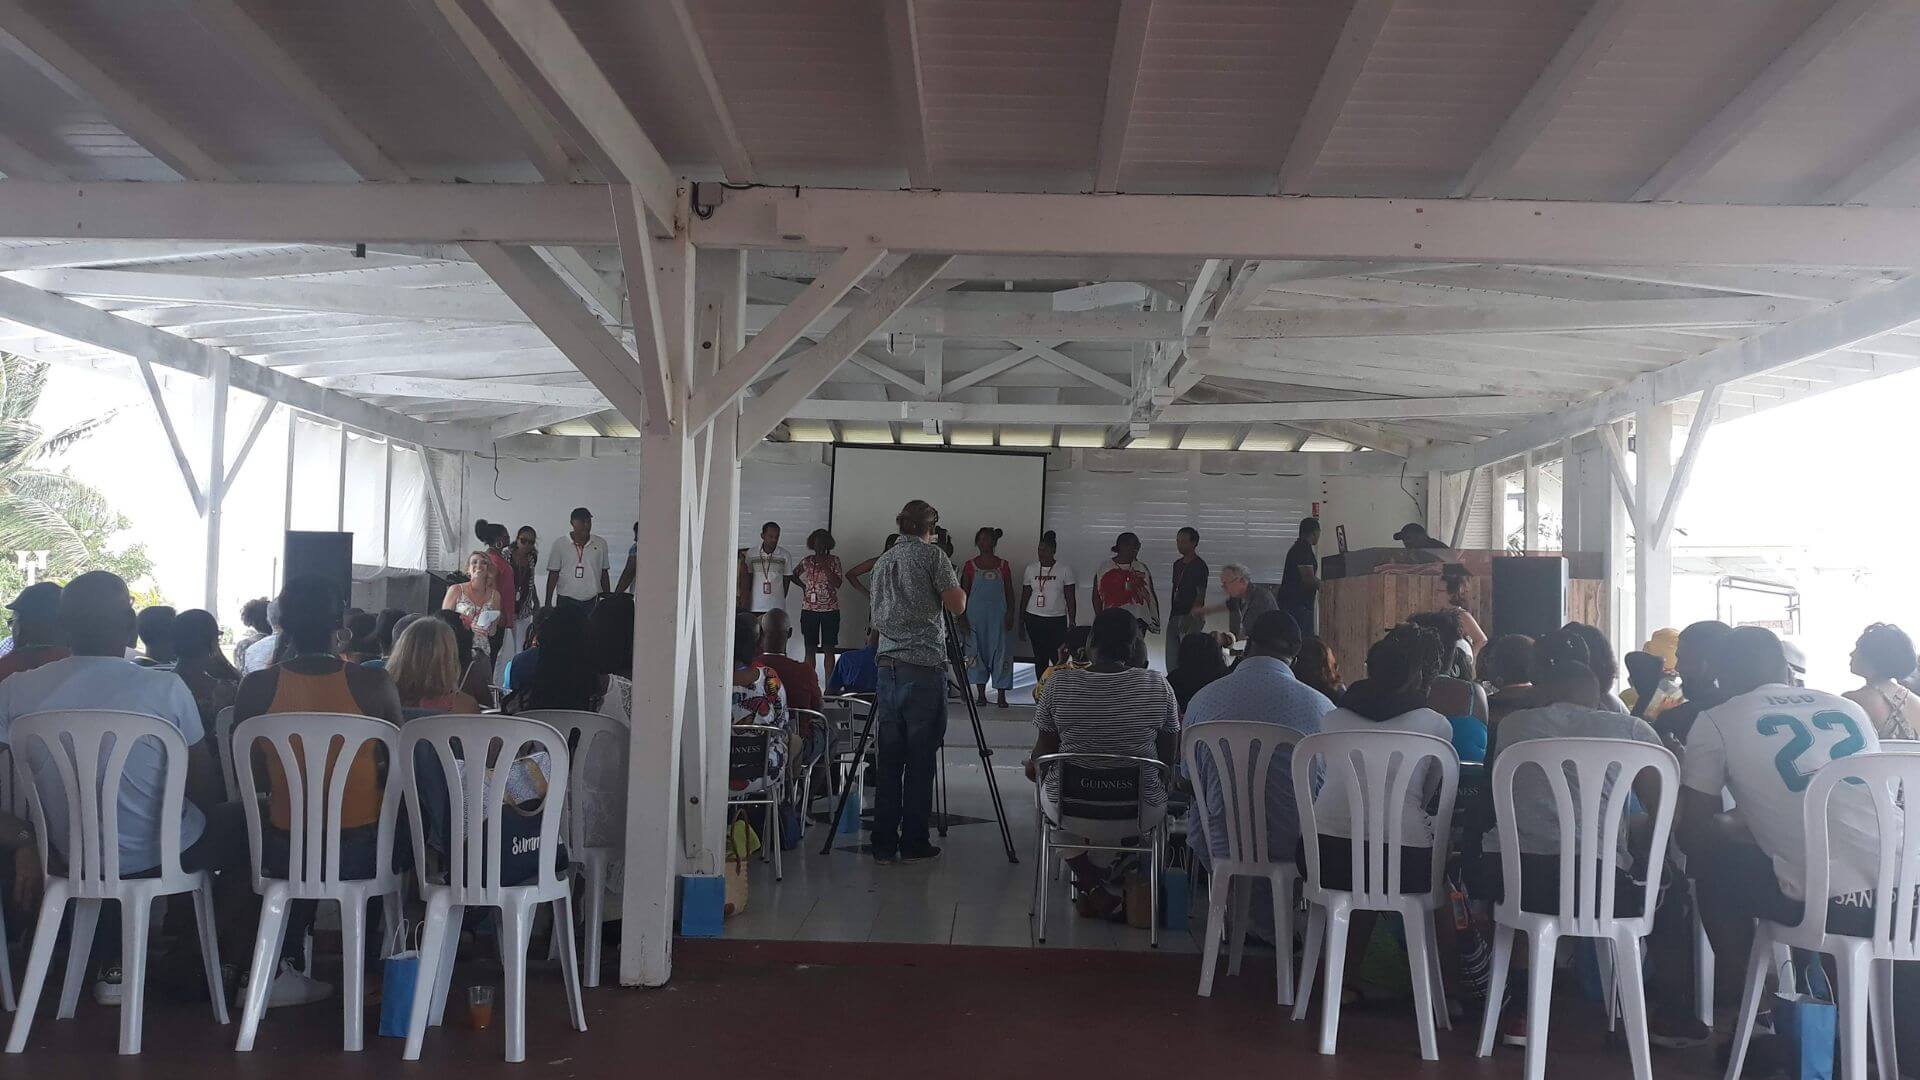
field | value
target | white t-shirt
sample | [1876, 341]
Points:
[769, 570]
[107, 682]
[1049, 585]
[260, 654]
[579, 566]
[1330, 808]
[1765, 746]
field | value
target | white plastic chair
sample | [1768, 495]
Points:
[1051, 847]
[1590, 819]
[1900, 746]
[13, 799]
[820, 755]
[316, 751]
[88, 749]
[1242, 755]
[472, 868]
[748, 752]
[1864, 964]
[223, 748]
[1377, 767]
[589, 735]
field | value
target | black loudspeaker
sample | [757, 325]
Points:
[1529, 594]
[325, 555]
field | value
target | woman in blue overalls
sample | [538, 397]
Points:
[988, 580]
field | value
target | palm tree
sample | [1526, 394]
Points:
[46, 509]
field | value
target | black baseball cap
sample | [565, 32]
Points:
[40, 600]
[1411, 528]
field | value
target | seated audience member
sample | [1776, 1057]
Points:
[476, 672]
[1693, 660]
[97, 612]
[1109, 707]
[1505, 667]
[1201, 662]
[1393, 697]
[312, 678]
[519, 667]
[1464, 704]
[801, 681]
[425, 669]
[858, 672]
[561, 674]
[386, 627]
[601, 793]
[1319, 668]
[1073, 654]
[38, 637]
[265, 652]
[610, 637]
[154, 627]
[1645, 675]
[253, 623]
[1763, 742]
[363, 641]
[1456, 656]
[1262, 688]
[199, 663]
[758, 695]
[1606, 667]
[1663, 646]
[1883, 657]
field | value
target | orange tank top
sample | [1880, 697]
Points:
[329, 693]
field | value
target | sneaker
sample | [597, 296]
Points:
[1672, 1030]
[106, 988]
[1513, 1029]
[885, 858]
[920, 854]
[290, 987]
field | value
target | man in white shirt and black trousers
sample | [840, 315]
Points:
[577, 564]
[1764, 743]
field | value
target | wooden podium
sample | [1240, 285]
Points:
[1382, 587]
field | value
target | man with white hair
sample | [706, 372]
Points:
[1246, 601]
[263, 653]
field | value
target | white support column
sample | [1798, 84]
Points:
[216, 473]
[1652, 555]
[1591, 515]
[340, 505]
[386, 505]
[1459, 531]
[1530, 506]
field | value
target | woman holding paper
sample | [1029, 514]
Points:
[477, 599]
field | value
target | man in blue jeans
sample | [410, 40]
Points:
[912, 583]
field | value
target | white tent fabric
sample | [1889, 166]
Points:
[407, 538]
[366, 497]
[315, 493]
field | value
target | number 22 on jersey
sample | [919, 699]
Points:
[1800, 740]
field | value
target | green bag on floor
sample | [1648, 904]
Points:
[1383, 964]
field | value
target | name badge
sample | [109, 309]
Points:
[1040, 600]
[579, 571]
[766, 586]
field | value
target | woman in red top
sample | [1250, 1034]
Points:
[988, 581]
[820, 577]
[496, 540]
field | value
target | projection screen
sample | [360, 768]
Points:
[971, 489]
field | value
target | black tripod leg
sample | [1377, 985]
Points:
[853, 777]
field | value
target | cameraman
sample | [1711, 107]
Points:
[912, 582]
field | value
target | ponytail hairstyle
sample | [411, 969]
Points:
[483, 531]
[1049, 540]
[820, 541]
[1562, 668]
[988, 530]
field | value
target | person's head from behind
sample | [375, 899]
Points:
[770, 536]
[892, 539]
[196, 634]
[1454, 577]
[384, 628]
[917, 519]
[1403, 664]
[1112, 637]
[1235, 580]
[489, 534]
[820, 542]
[1073, 649]
[1187, 540]
[363, 633]
[1694, 656]
[610, 634]
[563, 632]
[1562, 668]
[1644, 670]
[776, 629]
[1508, 660]
[97, 612]
[1606, 667]
[310, 612]
[1445, 624]
[1317, 666]
[746, 638]
[36, 615]
[462, 634]
[987, 538]
[1126, 548]
[1747, 658]
[1274, 634]
[582, 521]
[426, 661]
[1310, 530]
[1200, 657]
[154, 625]
[1048, 547]
[253, 614]
[1884, 651]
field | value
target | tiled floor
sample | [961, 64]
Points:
[970, 896]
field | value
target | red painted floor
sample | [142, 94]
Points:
[817, 1009]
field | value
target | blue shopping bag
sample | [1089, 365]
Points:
[399, 975]
[1806, 1027]
[849, 823]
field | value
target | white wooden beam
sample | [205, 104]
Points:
[573, 86]
[1364, 22]
[734, 159]
[1226, 226]
[19, 163]
[902, 20]
[435, 497]
[56, 58]
[107, 252]
[1194, 308]
[468, 47]
[1592, 38]
[1704, 414]
[761, 414]
[659, 305]
[1712, 142]
[78, 322]
[1617, 461]
[452, 305]
[539, 292]
[160, 409]
[533, 419]
[1459, 534]
[1279, 412]
[1123, 81]
[1525, 317]
[750, 363]
[507, 391]
[870, 358]
[988, 370]
[1359, 434]
[1077, 369]
[1835, 327]
[240, 33]
[259, 424]
[1886, 159]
